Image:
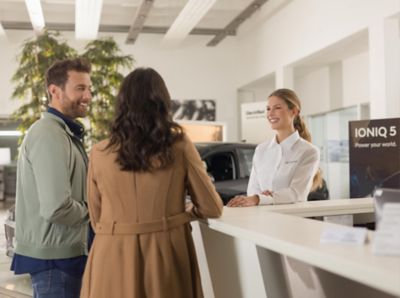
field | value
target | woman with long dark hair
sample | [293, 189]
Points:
[137, 182]
[285, 168]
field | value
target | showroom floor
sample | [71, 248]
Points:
[11, 286]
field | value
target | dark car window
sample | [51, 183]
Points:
[246, 156]
[221, 166]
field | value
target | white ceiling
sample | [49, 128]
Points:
[118, 15]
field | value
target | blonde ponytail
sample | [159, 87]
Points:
[301, 127]
[318, 182]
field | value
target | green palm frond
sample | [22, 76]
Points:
[39, 53]
[36, 56]
[107, 63]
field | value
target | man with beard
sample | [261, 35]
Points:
[51, 210]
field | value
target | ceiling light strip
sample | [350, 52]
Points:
[189, 17]
[87, 18]
[35, 12]
[2, 32]
[10, 133]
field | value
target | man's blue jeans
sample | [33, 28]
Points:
[55, 283]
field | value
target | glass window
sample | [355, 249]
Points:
[9, 136]
[246, 156]
[221, 166]
[330, 134]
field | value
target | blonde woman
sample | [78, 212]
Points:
[285, 168]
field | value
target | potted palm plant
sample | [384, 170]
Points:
[39, 53]
[107, 63]
[29, 78]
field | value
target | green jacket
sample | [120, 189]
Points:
[51, 209]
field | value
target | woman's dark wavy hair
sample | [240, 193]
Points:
[143, 132]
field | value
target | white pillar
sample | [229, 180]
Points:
[384, 60]
[335, 85]
[284, 77]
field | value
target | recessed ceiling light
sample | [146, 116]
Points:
[87, 18]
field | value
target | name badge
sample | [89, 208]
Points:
[290, 161]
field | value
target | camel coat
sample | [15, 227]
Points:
[143, 245]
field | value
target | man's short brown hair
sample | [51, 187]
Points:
[57, 73]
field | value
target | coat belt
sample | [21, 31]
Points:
[164, 224]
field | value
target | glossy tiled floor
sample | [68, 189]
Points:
[11, 286]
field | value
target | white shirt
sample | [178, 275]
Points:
[287, 169]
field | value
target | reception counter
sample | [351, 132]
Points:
[273, 251]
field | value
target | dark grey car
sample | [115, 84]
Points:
[229, 165]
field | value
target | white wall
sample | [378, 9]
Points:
[302, 28]
[356, 80]
[192, 71]
[313, 91]
[314, 87]
[261, 90]
[9, 48]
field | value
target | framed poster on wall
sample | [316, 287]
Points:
[193, 109]
[374, 155]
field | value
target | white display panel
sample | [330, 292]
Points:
[255, 128]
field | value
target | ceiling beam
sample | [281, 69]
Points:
[138, 21]
[231, 28]
[11, 25]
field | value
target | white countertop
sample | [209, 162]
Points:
[308, 209]
[299, 238]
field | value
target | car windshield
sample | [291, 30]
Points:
[246, 154]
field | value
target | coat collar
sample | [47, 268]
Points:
[60, 121]
[71, 126]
